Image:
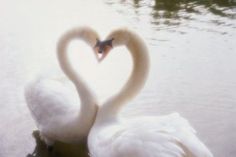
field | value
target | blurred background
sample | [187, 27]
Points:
[193, 63]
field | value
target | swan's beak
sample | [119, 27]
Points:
[103, 53]
[102, 48]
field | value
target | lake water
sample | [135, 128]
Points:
[193, 69]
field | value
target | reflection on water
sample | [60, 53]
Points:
[172, 8]
[175, 12]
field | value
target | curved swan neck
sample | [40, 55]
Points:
[137, 79]
[86, 96]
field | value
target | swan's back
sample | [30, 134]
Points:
[167, 136]
[51, 101]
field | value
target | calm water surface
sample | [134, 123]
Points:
[193, 69]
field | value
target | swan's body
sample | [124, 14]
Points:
[148, 136]
[60, 113]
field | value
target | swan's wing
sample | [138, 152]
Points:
[128, 141]
[180, 133]
[51, 100]
[169, 136]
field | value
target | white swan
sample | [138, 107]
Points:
[58, 114]
[147, 136]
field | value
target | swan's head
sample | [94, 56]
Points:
[102, 48]
[116, 38]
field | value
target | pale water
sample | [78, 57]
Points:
[193, 64]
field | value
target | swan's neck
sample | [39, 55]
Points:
[87, 98]
[136, 81]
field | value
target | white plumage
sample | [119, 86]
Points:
[165, 136]
[63, 111]
[147, 136]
